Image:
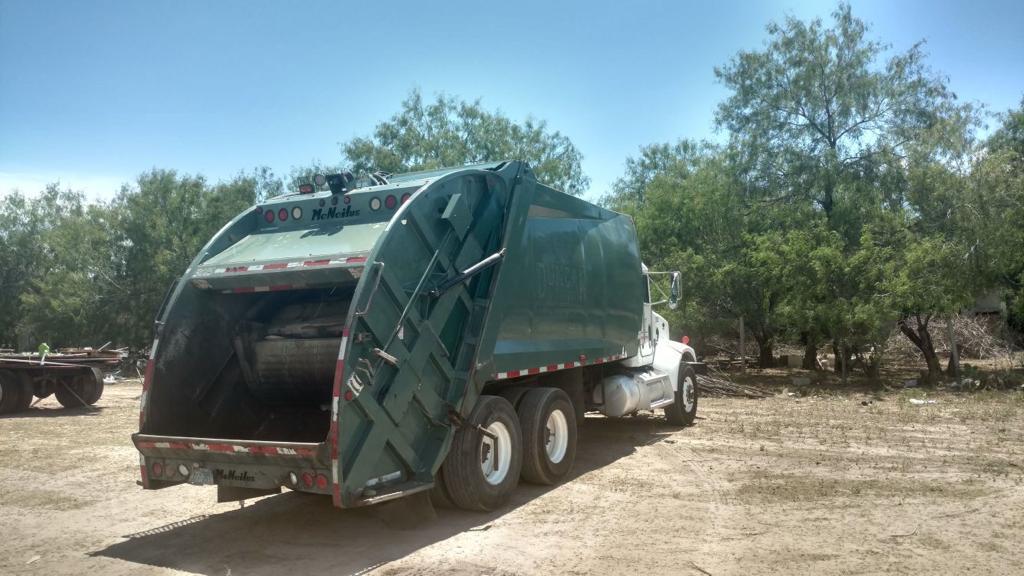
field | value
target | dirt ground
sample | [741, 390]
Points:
[814, 484]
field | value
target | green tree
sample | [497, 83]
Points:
[161, 223]
[991, 215]
[21, 223]
[820, 119]
[453, 132]
[818, 105]
[69, 298]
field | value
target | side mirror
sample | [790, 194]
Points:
[673, 297]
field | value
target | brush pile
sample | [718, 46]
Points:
[717, 383]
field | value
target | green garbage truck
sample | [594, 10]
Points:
[374, 338]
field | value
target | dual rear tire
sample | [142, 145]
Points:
[80, 390]
[15, 391]
[499, 443]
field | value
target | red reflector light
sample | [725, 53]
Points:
[349, 396]
[305, 188]
[269, 216]
[282, 214]
[355, 259]
[405, 197]
[686, 340]
[391, 202]
[307, 479]
[158, 469]
[321, 481]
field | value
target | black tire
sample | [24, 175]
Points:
[677, 414]
[463, 476]
[24, 385]
[535, 409]
[514, 394]
[10, 392]
[96, 389]
[42, 387]
[71, 393]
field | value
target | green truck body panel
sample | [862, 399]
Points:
[242, 342]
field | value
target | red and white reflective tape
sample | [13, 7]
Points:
[339, 371]
[284, 265]
[274, 288]
[147, 382]
[555, 367]
[230, 448]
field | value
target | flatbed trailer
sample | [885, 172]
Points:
[75, 382]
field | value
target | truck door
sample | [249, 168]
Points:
[647, 342]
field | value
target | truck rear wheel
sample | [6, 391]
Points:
[548, 420]
[482, 468]
[683, 411]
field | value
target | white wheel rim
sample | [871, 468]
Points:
[688, 393]
[556, 436]
[495, 453]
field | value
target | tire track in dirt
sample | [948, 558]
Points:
[715, 496]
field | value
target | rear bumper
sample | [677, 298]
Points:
[171, 460]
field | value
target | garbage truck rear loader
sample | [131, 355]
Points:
[440, 331]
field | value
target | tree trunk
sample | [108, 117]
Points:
[838, 368]
[810, 361]
[951, 366]
[765, 354]
[919, 335]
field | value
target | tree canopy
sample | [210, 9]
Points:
[852, 197]
[452, 132]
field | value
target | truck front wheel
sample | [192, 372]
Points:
[683, 411]
[482, 468]
[549, 435]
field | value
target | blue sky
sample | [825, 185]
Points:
[92, 93]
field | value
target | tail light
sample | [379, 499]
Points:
[158, 468]
[307, 479]
[269, 216]
[282, 214]
[390, 202]
[321, 481]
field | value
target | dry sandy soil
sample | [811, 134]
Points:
[810, 485]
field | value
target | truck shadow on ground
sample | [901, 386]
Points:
[306, 534]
